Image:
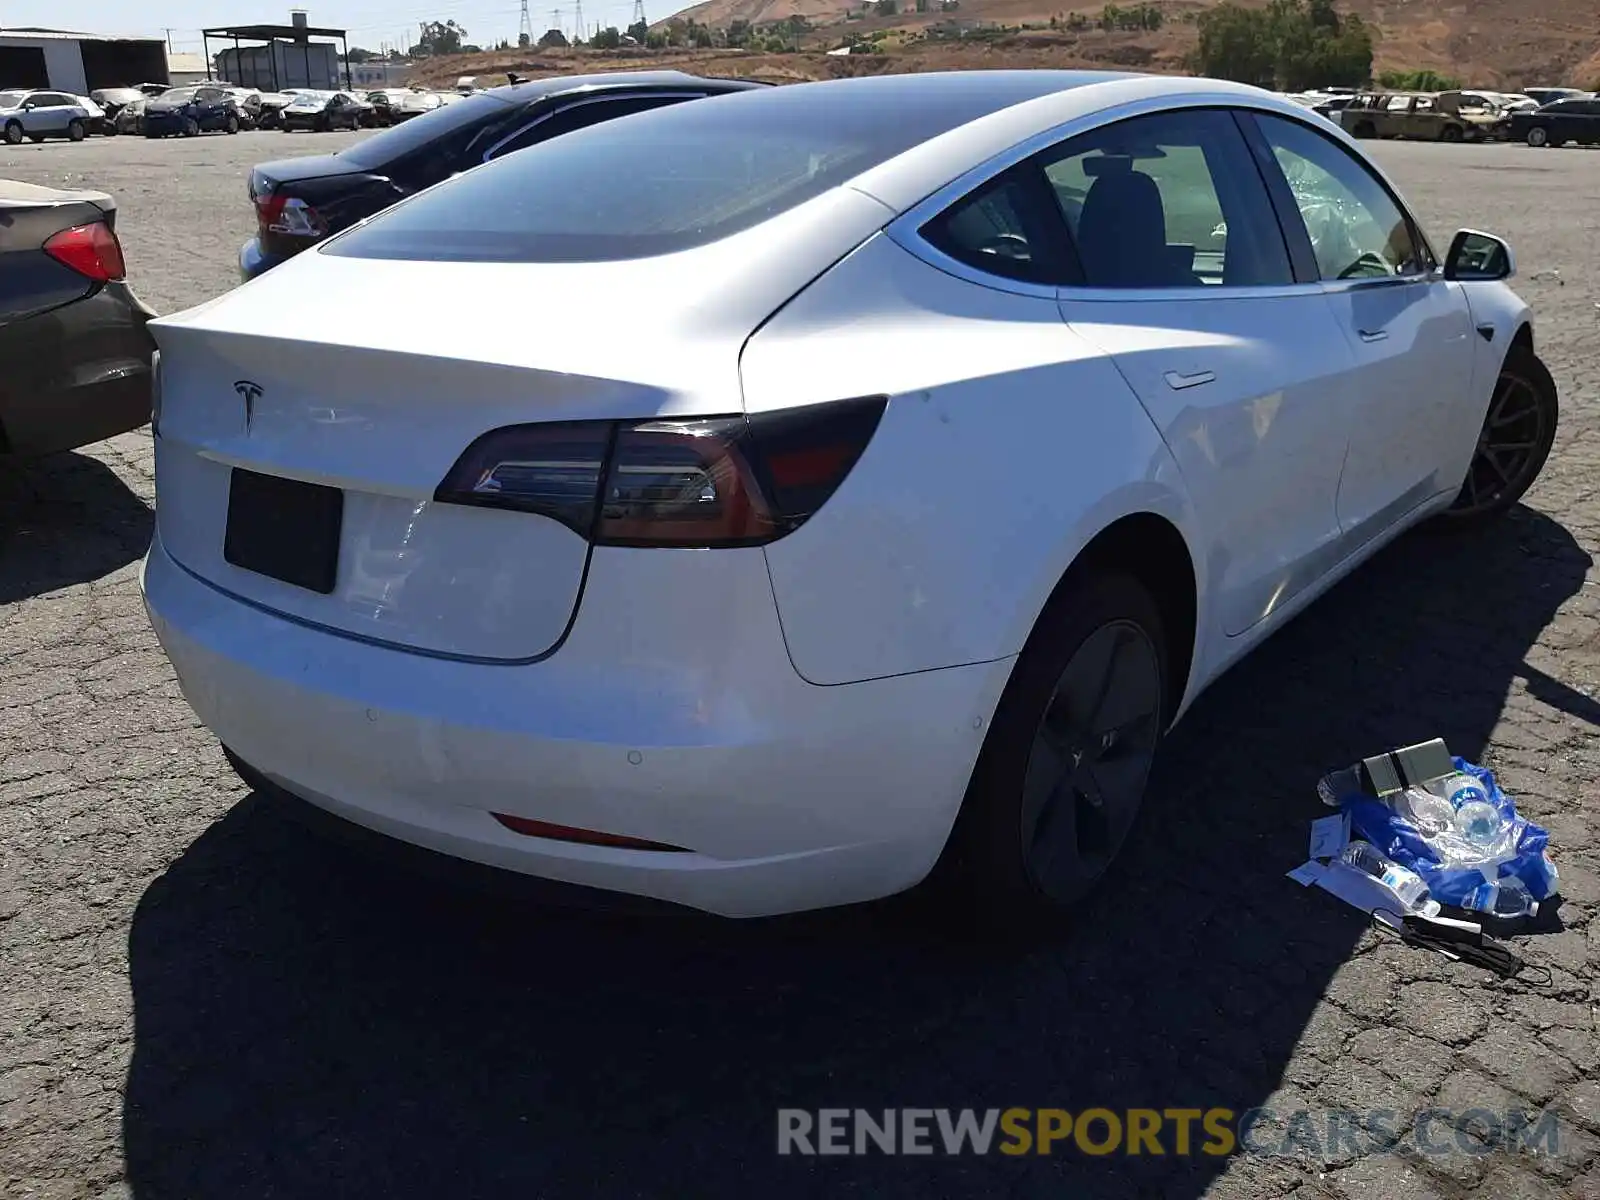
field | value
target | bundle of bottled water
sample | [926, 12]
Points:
[1456, 839]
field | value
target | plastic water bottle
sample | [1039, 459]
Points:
[1406, 885]
[1431, 814]
[1476, 820]
[1506, 897]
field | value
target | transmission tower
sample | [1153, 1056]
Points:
[525, 30]
[555, 18]
[580, 34]
[638, 12]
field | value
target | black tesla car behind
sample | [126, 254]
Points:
[74, 351]
[300, 201]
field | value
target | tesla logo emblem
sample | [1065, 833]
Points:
[249, 393]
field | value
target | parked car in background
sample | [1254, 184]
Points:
[190, 111]
[1549, 95]
[299, 201]
[37, 114]
[96, 119]
[449, 598]
[271, 109]
[130, 117]
[415, 102]
[1428, 116]
[388, 103]
[111, 100]
[72, 334]
[322, 111]
[1557, 123]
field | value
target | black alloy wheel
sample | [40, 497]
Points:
[1518, 431]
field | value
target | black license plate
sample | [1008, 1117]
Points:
[284, 528]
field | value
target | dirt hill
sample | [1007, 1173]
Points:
[1489, 43]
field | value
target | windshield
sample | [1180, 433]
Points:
[177, 95]
[695, 173]
[11, 99]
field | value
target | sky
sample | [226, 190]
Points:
[370, 22]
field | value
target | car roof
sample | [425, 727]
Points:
[534, 89]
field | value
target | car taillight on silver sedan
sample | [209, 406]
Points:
[700, 482]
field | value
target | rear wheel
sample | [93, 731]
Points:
[75, 131]
[1450, 133]
[1538, 136]
[1062, 773]
[233, 124]
[1364, 129]
[191, 128]
[1514, 443]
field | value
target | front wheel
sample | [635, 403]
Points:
[13, 134]
[1062, 774]
[191, 128]
[1538, 136]
[1515, 441]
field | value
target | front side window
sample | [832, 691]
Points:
[1357, 229]
[1169, 200]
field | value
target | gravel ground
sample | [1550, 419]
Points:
[201, 997]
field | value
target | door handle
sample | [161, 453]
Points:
[1373, 335]
[1177, 380]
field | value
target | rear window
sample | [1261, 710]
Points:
[400, 140]
[656, 182]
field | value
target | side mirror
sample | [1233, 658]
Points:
[1478, 256]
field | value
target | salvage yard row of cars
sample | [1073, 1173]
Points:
[37, 114]
[1539, 117]
[933, 615]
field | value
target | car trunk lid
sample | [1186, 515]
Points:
[297, 377]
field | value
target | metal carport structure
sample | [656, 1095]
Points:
[291, 35]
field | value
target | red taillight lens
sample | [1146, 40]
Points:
[91, 250]
[588, 837]
[288, 216]
[724, 481]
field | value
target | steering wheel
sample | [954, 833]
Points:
[1369, 258]
[1006, 245]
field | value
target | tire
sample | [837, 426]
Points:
[999, 856]
[1518, 430]
[75, 131]
[1365, 129]
[1450, 133]
[1538, 136]
[13, 133]
[233, 124]
[191, 128]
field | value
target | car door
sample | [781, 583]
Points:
[1187, 283]
[580, 114]
[45, 115]
[1408, 328]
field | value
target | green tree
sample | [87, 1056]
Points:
[1292, 44]
[359, 55]
[552, 37]
[439, 37]
[608, 38]
[523, 40]
[1236, 43]
[639, 31]
[1418, 81]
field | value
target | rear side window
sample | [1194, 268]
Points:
[440, 123]
[659, 182]
[1173, 199]
[581, 116]
[1003, 229]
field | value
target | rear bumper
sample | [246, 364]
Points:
[253, 260]
[79, 373]
[691, 729]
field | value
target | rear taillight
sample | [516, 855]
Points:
[724, 481]
[288, 216]
[91, 250]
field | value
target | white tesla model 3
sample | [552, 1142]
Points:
[822, 479]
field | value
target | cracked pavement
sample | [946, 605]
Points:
[202, 996]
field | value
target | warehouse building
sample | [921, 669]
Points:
[78, 63]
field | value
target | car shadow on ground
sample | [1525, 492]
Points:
[315, 1021]
[65, 519]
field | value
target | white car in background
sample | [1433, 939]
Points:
[875, 479]
[38, 113]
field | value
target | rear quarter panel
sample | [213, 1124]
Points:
[1007, 444]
